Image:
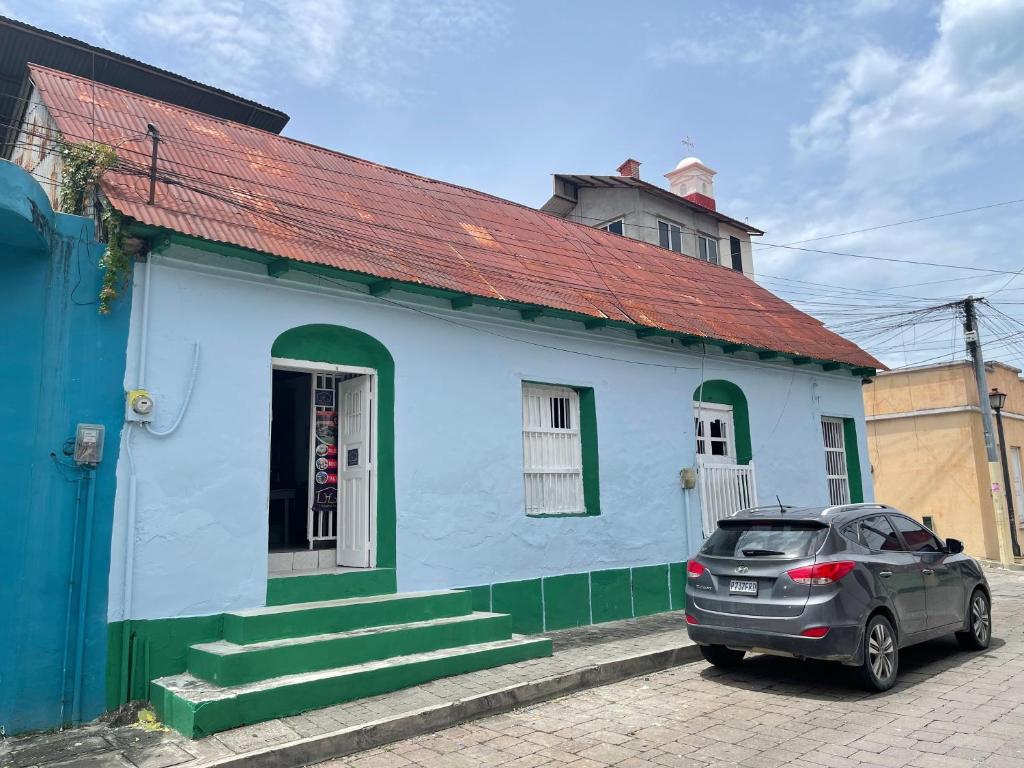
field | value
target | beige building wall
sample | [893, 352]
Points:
[927, 447]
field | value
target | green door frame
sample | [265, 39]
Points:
[337, 345]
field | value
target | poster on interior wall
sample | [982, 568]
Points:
[325, 447]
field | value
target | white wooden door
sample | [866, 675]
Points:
[355, 470]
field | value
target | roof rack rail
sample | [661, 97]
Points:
[858, 505]
[760, 507]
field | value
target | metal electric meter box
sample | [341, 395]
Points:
[89, 444]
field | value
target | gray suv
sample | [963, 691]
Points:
[852, 583]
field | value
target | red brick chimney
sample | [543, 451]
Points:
[630, 168]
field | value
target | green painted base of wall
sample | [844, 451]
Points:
[143, 650]
[283, 590]
[577, 599]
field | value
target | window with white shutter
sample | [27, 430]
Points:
[552, 450]
[832, 430]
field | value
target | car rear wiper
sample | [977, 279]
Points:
[761, 552]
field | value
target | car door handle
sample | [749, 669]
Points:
[927, 571]
[885, 574]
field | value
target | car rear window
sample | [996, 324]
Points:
[764, 539]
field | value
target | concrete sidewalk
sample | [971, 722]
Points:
[582, 658]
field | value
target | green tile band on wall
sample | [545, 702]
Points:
[650, 590]
[571, 600]
[481, 597]
[853, 461]
[566, 601]
[611, 596]
[524, 601]
[677, 585]
[142, 650]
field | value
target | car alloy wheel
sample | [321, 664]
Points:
[981, 621]
[881, 651]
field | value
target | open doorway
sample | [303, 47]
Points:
[322, 496]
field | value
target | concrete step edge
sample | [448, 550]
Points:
[347, 741]
[227, 648]
[196, 690]
[273, 610]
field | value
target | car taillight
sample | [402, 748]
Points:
[820, 574]
[815, 632]
[694, 569]
[690, 619]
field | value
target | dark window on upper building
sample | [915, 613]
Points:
[670, 236]
[614, 226]
[736, 253]
[707, 248]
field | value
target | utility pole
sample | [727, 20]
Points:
[995, 473]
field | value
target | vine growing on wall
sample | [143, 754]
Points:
[83, 165]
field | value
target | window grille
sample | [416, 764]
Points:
[552, 450]
[835, 460]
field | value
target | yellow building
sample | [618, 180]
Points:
[927, 448]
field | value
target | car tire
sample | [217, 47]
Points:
[881, 650]
[979, 615]
[720, 656]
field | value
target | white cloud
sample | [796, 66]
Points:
[897, 121]
[898, 136]
[369, 48]
[744, 36]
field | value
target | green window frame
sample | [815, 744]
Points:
[590, 462]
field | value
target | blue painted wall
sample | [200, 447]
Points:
[62, 364]
[200, 537]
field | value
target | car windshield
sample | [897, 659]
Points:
[764, 539]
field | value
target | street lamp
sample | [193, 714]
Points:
[997, 400]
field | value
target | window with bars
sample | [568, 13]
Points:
[552, 451]
[836, 467]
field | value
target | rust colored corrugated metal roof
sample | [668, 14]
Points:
[225, 182]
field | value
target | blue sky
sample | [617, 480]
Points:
[820, 117]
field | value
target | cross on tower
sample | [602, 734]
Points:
[688, 142]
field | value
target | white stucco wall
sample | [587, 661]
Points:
[201, 512]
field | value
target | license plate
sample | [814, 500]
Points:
[738, 587]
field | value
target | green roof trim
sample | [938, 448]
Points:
[378, 286]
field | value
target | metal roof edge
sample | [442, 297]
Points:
[376, 285]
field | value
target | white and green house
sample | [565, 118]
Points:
[496, 476]
[332, 482]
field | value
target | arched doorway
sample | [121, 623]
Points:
[332, 489]
[725, 469]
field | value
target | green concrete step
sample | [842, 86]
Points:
[198, 708]
[284, 589]
[226, 663]
[326, 616]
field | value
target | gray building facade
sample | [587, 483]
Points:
[682, 218]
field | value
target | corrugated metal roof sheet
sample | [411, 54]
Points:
[228, 183]
[22, 43]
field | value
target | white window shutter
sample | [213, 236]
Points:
[552, 450]
[835, 460]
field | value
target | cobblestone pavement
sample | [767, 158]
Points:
[950, 709]
[100, 746]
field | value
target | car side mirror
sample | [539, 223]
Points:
[954, 546]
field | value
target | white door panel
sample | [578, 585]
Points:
[355, 471]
